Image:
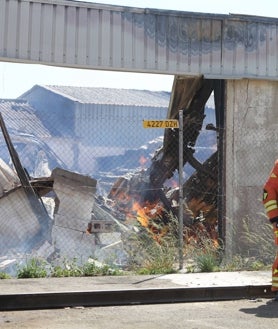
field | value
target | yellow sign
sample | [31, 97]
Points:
[171, 123]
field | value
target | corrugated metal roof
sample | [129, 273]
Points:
[113, 96]
[19, 116]
[94, 36]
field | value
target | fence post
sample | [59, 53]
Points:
[180, 189]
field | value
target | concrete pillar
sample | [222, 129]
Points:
[251, 147]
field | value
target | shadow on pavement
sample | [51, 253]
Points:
[268, 310]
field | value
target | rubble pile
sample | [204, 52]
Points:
[61, 216]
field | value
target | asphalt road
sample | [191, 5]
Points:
[259, 313]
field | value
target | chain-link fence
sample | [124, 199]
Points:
[88, 182]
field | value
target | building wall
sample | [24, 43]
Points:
[251, 148]
[115, 125]
[94, 124]
[83, 132]
[55, 111]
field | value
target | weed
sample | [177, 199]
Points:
[91, 269]
[257, 265]
[34, 268]
[159, 259]
[153, 254]
[207, 262]
[68, 268]
[4, 275]
[203, 253]
[255, 243]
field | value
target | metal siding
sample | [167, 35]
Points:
[180, 46]
[90, 119]
[251, 42]
[216, 42]
[35, 31]
[172, 44]
[272, 52]
[151, 37]
[161, 43]
[46, 33]
[23, 120]
[116, 55]
[192, 36]
[11, 31]
[23, 39]
[2, 27]
[58, 47]
[228, 47]
[81, 32]
[126, 40]
[94, 36]
[70, 35]
[139, 36]
[239, 59]
[105, 38]
[206, 45]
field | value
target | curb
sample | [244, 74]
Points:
[26, 301]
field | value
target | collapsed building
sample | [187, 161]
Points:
[66, 216]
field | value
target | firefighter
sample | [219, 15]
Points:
[270, 201]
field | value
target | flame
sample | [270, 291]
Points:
[197, 234]
[140, 214]
[147, 212]
[146, 215]
[150, 215]
[143, 160]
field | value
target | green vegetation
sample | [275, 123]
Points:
[153, 253]
[202, 253]
[256, 242]
[4, 275]
[91, 269]
[38, 268]
[34, 268]
[72, 269]
[68, 268]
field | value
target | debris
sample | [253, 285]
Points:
[77, 221]
[144, 196]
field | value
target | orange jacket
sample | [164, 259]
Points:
[270, 196]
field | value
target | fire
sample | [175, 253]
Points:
[142, 161]
[129, 199]
[202, 236]
[148, 215]
[141, 215]
[147, 212]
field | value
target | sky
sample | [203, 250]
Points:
[16, 78]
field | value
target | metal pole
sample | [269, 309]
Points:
[180, 189]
